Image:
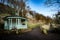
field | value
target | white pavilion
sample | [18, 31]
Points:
[17, 22]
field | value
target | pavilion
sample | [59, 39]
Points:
[12, 22]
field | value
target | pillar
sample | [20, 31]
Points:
[16, 22]
[9, 24]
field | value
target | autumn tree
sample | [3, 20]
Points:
[48, 19]
[18, 5]
[39, 17]
[56, 3]
[57, 18]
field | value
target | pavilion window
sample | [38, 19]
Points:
[14, 20]
[23, 21]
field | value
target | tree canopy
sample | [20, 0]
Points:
[18, 5]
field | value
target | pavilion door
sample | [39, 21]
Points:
[13, 23]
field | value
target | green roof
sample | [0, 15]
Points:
[7, 17]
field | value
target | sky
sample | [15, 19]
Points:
[40, 7]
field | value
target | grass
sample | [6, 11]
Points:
[32, 25]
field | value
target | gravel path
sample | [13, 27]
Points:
[35, 34]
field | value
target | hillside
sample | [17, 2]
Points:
[34, 19]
